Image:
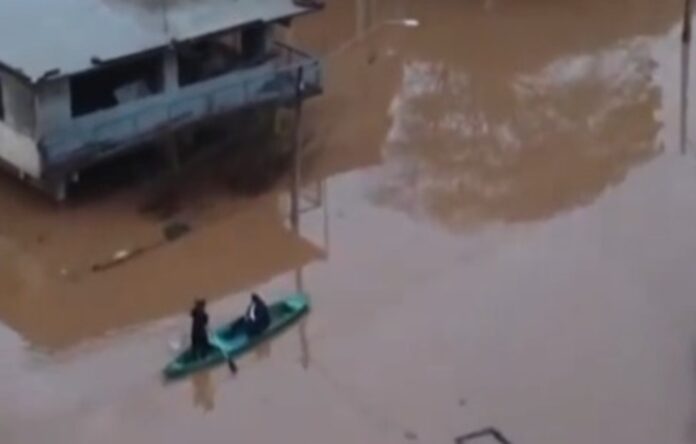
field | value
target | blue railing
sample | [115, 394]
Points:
[272, 81]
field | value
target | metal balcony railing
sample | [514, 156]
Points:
[105, 131]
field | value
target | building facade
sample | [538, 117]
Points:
[136, 74]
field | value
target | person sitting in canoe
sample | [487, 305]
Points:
[200, 345]
[256, 319]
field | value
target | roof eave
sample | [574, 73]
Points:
[305, 7]
[21, 75]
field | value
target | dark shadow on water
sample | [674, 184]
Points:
[305, 356]
[241, 154]
[123, 172]
[235, 242]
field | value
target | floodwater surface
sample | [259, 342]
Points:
[497, 231]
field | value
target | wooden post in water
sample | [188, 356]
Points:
[296, 153]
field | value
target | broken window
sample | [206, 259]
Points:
[254, 42]
[207, 59]
[216, 56]
[110, 86]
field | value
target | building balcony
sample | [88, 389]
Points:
[89, 138]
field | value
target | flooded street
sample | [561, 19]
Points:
[497, 231]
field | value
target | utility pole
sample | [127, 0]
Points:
[685, 64]
[686, 31]
[165, 20]
[684, 93]
[296, 152]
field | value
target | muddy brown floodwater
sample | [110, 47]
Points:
[498, 231]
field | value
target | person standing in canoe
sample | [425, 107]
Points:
[199, 329]
[257, 317]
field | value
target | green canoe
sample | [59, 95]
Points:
[228, 344]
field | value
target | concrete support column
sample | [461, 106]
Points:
[171, 71]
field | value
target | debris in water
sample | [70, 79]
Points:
[410, 435]
[68, 274]
[462, 402]
[176, 230]
[121, 255]
[408, 22]
[171, 232]
[118, 258]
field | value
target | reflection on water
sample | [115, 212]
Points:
[231, 248]
[305, 356]
[472, 135]
[500, 111]
[19, 271]
[521, 146]
[203, 390]
[480, 129]
[51, 296]
[684, 93]
[263, 350]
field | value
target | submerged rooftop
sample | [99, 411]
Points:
[40, 36]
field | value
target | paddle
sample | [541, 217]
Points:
[230, 362]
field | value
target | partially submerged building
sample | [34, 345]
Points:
[82, 81]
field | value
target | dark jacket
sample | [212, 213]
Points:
[257, 315]
[199, 326]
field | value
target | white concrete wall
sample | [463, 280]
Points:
[19, 151]
[17, 131]
[18, 101]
